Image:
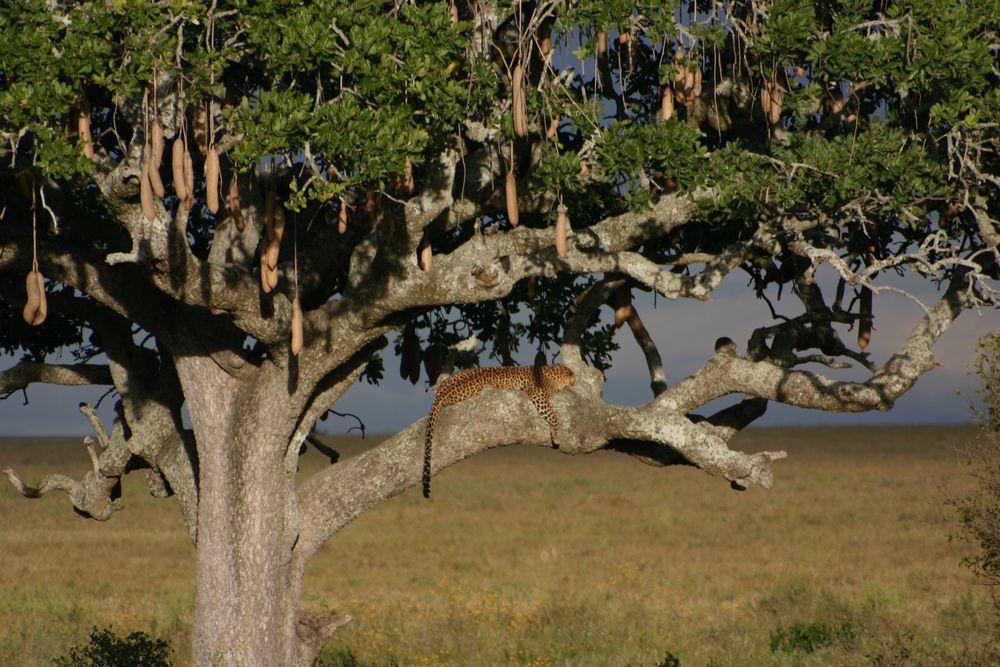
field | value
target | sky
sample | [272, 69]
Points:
[685, 332]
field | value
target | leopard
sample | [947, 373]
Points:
[539, 382]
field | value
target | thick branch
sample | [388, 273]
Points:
[332, 388]
[729, 373]
[588, 424]
[591, 424]
[96, 496]
[586, 304]
[24, 373]
[488, 267]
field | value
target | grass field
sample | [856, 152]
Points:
[529, 557]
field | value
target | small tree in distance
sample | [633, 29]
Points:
[229, 207]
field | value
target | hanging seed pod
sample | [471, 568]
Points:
[264, 282]
[602, 44]
[146, 193]
[83, 128]
[690, 79]
[155, 183]
[624, 36]
[43, 306]
[177, 167]
[342, 216]
[771, 97]
[666, 103]
[545, 40]
[765, 100]
[510, 196]
[531, 287]
[562, 229]
[272, 279]
[622, 301]
[453, 11]
[199, 127]
[36, 306]
[188, 178]
[777, 98]
[800, 71]
[34, 297]
[156, 142]
[519, 107]
[279, 221]
[834, 103]
[680, 83]
[865, 322]
[271, 253]
[695, 82]
[233, 203]
[212, 180]
[297, 333]
[426, 256]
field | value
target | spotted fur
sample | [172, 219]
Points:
[539, 382]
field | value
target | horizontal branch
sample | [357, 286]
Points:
[25, 373]
[498, 418]
[729, 372]
[660, 432]
[487, 267]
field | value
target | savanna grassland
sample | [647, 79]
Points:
[529, 557]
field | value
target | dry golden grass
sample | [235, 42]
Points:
[530, 557]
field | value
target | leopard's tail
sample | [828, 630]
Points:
[428, 439]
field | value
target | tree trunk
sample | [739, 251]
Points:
[245, 611]
[247, 595]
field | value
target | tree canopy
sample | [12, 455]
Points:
[228, 208]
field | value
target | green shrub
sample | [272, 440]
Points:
[341, 656]
[669, 660]
[979, 512]
[807, 637]
[106, 649]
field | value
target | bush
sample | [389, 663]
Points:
[807, 637]
[669, 660]
[106, 649]
[979, 513]
[341, 656]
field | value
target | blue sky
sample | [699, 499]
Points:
[684, 330]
